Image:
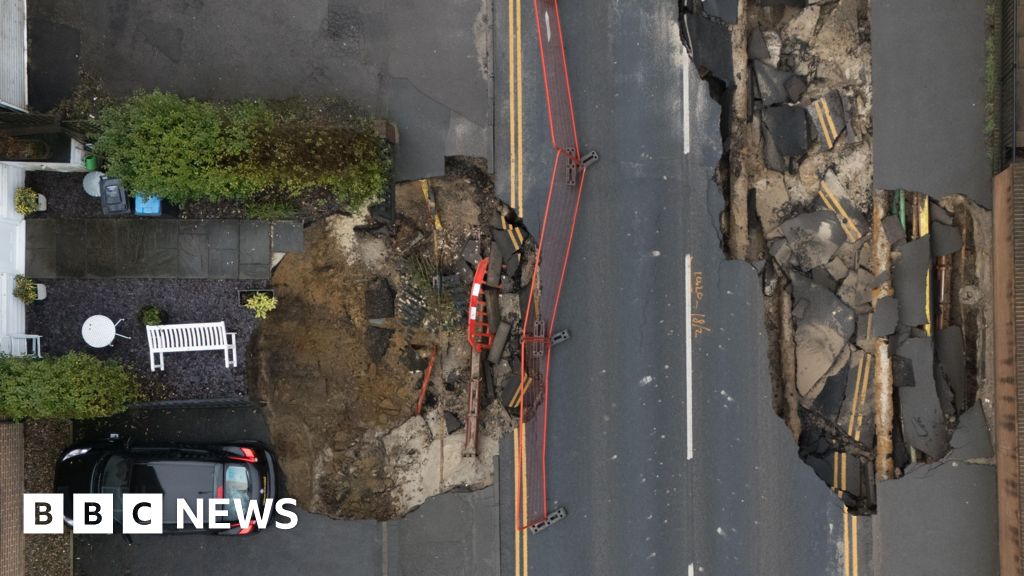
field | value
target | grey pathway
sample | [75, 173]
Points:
[617, 459]
[453, 534]
[929, 97]
[157, 248]
[423, 64]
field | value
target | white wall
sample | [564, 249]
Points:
[13, 54]
[12, 255]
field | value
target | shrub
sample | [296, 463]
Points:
[152, 316]
[261, 304]
[25, 289]
[75, 385]
[26, 201]
[187, 150]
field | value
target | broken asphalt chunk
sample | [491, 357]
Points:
[835, 198]
[711, 46]
[885, 317]
[822, 331]
[909, 274]
[795, 86]
[949, 344]
[787, 127]
[771, 83]
[971, 438]
[452, 422]
[828, 119]
[894, 231]
[945, 239]
[813, 237]
[757, 47]
[924, 424]
[725, 10]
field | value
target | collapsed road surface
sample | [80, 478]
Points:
[654, 483]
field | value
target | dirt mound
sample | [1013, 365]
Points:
[339, 364]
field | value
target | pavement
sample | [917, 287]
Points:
[618, 453]
[450, 534]
[422, 65]
[929, 98]
[164, 248]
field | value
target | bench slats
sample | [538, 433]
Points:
[187, 337]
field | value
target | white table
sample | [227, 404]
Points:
[100, 331]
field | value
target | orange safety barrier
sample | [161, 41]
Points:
[480, 336]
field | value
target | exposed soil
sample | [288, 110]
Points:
[340, 391]
[48, 554]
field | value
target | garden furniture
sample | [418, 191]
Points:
[166, 338]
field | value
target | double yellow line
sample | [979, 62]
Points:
[515, 105]
[522, 536]
[828, 127]
[831, 201]
[851, 554]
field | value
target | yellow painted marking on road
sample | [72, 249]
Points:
[425, 187]
[821, 120]
[519, 106]
[846, 542]
[511, 108]
[515, 466]
[519, 233]
[853, 546]
[526, 508]
[835, 472]
[923, 226]
[515, 242]
[828, 116]
[849, 224]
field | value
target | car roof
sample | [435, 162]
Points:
[186, 479]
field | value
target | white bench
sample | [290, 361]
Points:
[190, 338]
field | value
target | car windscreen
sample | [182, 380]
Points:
[190, 481]
[114, 480]
[236, 486]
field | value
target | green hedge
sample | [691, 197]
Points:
[185, 150]
[76, 386]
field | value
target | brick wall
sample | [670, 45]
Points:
[12, 469]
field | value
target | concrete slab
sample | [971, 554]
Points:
[821, 333]
[253, 242]
[922, 142]
[945, 239]
[287, 236]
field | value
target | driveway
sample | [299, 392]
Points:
[451, 534]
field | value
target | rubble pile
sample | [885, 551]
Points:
[863, 288]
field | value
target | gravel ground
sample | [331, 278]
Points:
[66, 199]
[48, 554]
[59, 318]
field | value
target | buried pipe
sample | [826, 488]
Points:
[883, 401]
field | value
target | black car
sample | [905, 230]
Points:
[239, 470]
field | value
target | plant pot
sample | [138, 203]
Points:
[40, 291]
[90, 162]
[42, 203]
[244, 295]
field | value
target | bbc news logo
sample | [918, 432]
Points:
[144, 514]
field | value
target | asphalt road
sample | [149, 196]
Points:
[617, 432]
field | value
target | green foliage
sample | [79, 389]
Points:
[76, 386]
[186, 150]
[26, 201]
[25, 289]
[151, 316]
[261, 304]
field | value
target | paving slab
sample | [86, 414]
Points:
[288, 236]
